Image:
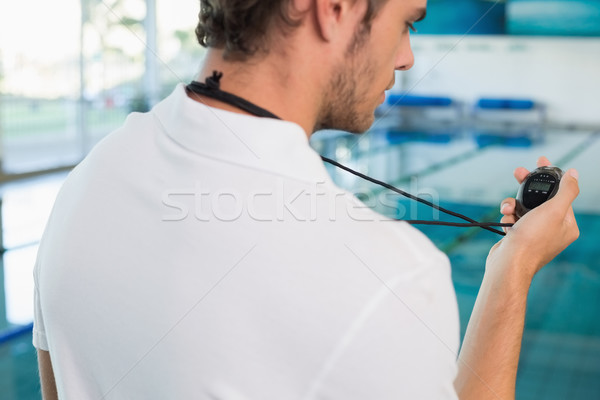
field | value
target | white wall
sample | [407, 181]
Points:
[563, 73]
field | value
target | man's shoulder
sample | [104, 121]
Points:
[375, 227]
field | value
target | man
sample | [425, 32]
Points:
[202, 252]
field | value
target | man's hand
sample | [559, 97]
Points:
[541, 234]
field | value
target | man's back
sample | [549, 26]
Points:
[203, 254]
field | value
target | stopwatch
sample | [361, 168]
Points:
[538, 187]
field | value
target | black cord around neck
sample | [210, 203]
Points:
[212, 88]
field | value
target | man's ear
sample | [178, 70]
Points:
[331, 15]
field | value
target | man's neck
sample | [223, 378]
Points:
[282, 87]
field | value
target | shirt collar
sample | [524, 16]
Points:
[260, 143]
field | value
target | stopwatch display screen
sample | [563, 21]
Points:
[541, 186]
[538, 189]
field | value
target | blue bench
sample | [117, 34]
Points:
[505, 104]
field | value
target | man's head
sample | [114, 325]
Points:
[340, 54]
[243, 28]
[369, 66]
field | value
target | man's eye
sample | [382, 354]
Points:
[411, 27]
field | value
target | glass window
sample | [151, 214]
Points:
[68, 80]
[179, 53]
[39, 84]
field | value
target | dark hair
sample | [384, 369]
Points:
[240, 27]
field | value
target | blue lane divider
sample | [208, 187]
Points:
[404, 100]
[506, 104]
[398, 137]
[15, 332]
[518, 141]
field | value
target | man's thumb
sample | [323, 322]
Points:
[568, 189]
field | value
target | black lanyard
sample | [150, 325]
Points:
[211, 88]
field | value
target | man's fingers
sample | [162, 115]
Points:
[520, 174]
[568, 189]
[508, 206]
[543, 162]
[508, 219]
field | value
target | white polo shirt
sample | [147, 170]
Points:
[202, 254]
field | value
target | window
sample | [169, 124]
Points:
[69, 77]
